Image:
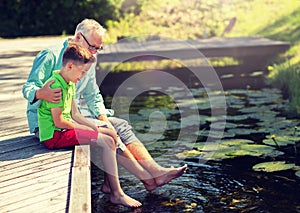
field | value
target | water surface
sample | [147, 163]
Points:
[221, 185]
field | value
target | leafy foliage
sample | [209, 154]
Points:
[286, 77]
[42, 17]
[174, 19]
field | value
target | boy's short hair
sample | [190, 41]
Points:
[77, 54]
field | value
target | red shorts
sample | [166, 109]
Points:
[71, 137]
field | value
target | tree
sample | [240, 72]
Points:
[44, 17]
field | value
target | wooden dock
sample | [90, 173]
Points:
[33, 178]
[236, 47]
[251, 53]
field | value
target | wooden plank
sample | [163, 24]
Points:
[37, 188]
[16, 140]
[40, 187]
[80, 199]
[34, 164]
[82, 156]
[13, 131]
[31, 153]
[40, 202]
[18, 181]
[17, 154]
[21, 146]
[80, 195]
[37, 159]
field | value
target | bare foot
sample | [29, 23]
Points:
[149, 184]
[105, 188]
[170, 174]
[125, 200]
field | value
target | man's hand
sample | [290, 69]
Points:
[103, 118]
[48, 94]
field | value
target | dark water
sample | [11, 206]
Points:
[228, 185]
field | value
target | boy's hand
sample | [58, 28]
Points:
[48, 94]
[109, 132]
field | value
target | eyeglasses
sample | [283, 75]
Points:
[91, 47]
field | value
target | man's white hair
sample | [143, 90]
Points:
[88, 25]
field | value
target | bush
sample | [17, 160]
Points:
[43, 17]
[286, 77]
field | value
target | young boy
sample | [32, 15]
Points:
[61, 124]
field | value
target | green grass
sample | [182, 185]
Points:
[286, 77]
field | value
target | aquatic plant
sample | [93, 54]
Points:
[282, 140]
[273, 137]
[229, 149]
[273, 166]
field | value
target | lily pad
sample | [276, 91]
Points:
[150, 137]
[277, 106]
[147, 112]
[222, 145]
[282, 124]
[266, 92]
[273, 166]
[251, 150]
[201, 91]
[236, 142]
[265, 100]
[203, 106]
[244, 131]
[237, 91]
[235, 102]
[190, 153]
[254, 109]
[191, 102]
[237, 117]
[206, 146]
[215, 133]
[171, 125]
[293, 131]
[257, 149]
[192, 120]
[273, 122]
[230, 149]
[222, 125]
[156, 126]
[268, 115]
[216, 118]
[280, 140]
[297, 173]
